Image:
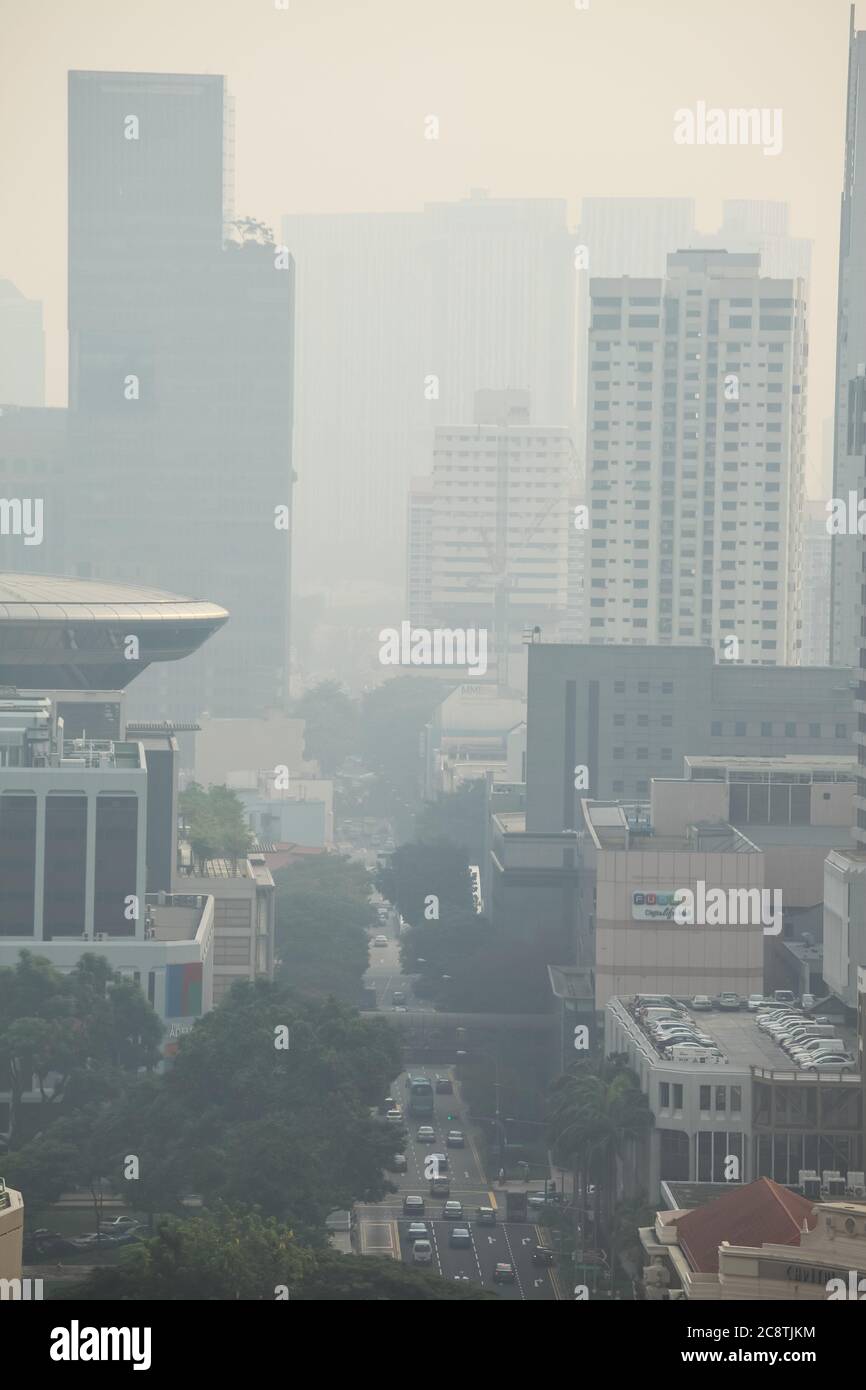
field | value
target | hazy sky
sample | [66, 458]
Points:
[534, 98]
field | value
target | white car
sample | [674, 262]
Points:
[380, 940]
[754, 1002]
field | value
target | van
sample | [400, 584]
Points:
[422, 1253]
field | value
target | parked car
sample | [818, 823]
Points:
[754, 1002]
[702, 1001]
[116, 1224]
[728, 1000]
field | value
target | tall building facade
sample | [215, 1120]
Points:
[496, 541]
[816, 585]
[401, 319]
[850, 354]
[695, 457]
[181, 381]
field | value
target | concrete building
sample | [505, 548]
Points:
[756, 1243]
[22, 348]
[301, 814]
[752, 1105]
[848, 467]
[473, 732]
[496, 538]
[638, 945]
[816, 585]
[244, 915]
[177, 373]
[227, 746]
[627, 714]
[425, 308]
[695, 457]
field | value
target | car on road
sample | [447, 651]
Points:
[422, 1253]
[727, 1000]
[452, 1211]
[542, 1255]
[417, 1231]
[395, 1116]
[459, 1237]
[440, 1187]
[398, 1164]
[380, 940]
[400, 1009]
[702, 1001]
[439, 1162]
[413, 1206]
[425, 1132]
[114, 1225]
[504, 1273]
[398, 997]
[444, 1086]
[543, 1199]
[486, 1216]
[455, 1140]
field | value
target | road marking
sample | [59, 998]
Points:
[514, 1264]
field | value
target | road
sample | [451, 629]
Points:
[383, 1227]
[384, 975]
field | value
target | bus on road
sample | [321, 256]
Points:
[419, 1093]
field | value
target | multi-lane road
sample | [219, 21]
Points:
[383, 1226]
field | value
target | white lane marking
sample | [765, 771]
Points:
[514, 1264]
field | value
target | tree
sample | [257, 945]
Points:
[234, 1254]
[415, 872]
[597, 1110]
[457, 818]
[323, 911]
[216, 827]
[331, 725]
[228, 1254]
[393, 717]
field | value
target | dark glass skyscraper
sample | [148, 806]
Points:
[180, 367]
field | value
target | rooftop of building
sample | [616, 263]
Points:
[759, 1213]
[74, 634]
[614, 826]
[787, 767]
[737, 1036]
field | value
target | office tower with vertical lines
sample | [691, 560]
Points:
[695, 458]
[498, 505]
[181, 377]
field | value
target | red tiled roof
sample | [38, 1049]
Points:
[760, 1213]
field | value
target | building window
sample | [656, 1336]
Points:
[790, 731]
[664, 1095]
[643, 687]
[841, 731]
[814, 730]
[704, 1097]
[721, 1100]
[678, 1097]
[736, 1100]
[766, 729]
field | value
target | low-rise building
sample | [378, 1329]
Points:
[758, 1242]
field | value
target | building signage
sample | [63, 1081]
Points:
[803, 1274]
[651, 907]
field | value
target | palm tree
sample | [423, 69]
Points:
[597, 1112]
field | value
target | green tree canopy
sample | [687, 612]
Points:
[331, 725]
[217, 827]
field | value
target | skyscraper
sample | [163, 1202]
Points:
[695, 458]
[850, 355]
[180, 340]
[402, 317]
[489, 546]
